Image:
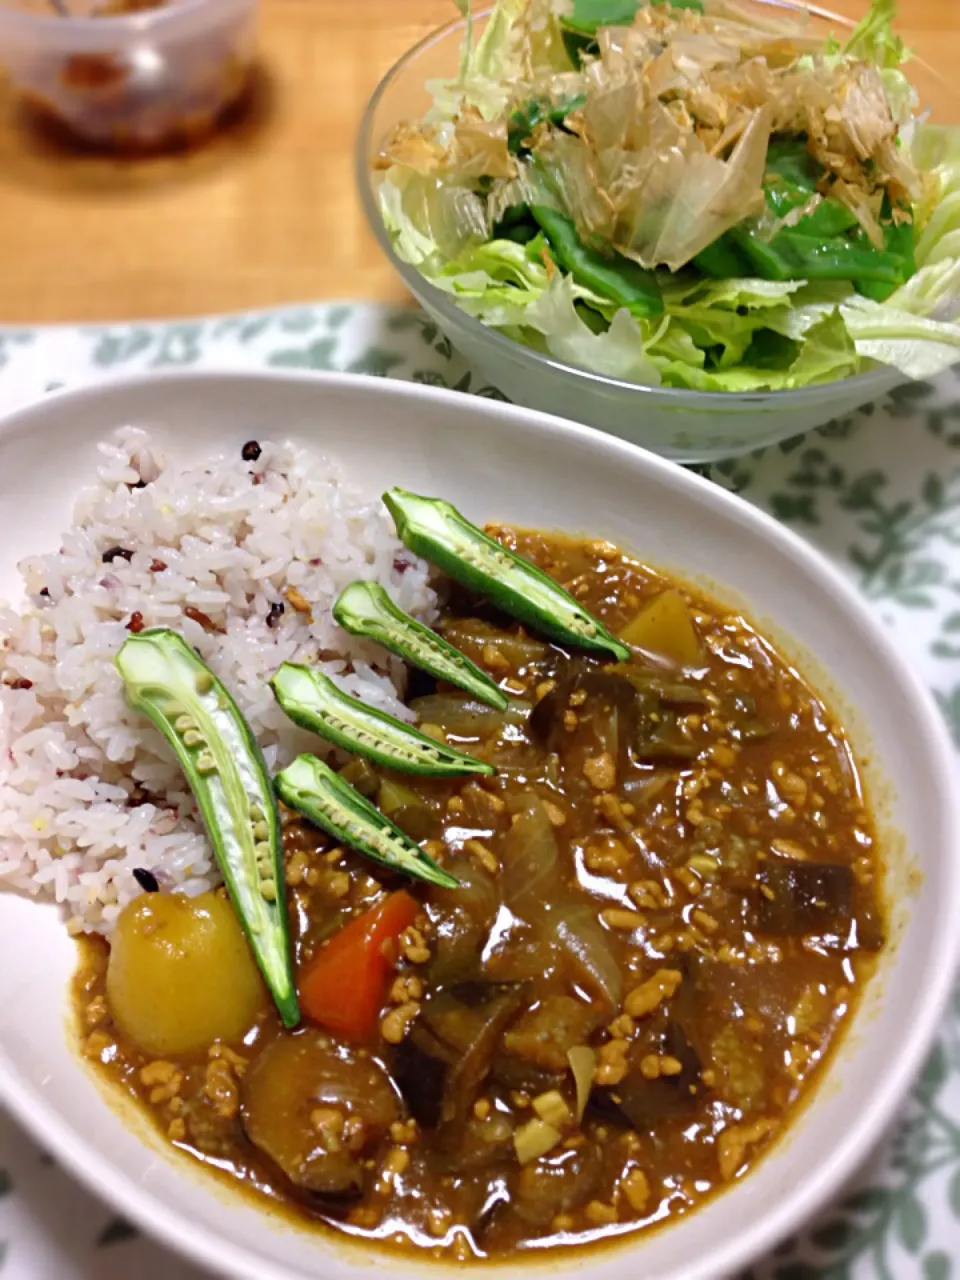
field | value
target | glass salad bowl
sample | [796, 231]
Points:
[688, 426]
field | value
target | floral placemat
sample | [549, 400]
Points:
[878, 492]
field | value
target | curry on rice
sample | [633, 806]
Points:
[664, 905]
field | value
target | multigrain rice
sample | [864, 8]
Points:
[89, 791]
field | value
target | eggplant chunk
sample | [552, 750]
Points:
[659, 734]
[797, 898]
[642, 1104]
[475, 1147]
[627, 717]
[466, 717]
[443, 1062]
[740, 711]
[495, 1203]
[421, 1068]
[871, 934]
[556, 1183]
[294, 1079]
[525, 1077]
[462, 918]
[473, 1032]
[608, 697]
[672, 692]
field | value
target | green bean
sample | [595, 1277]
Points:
[587, 16]
[723, 260]
[829, 218]
[790, 255]
[617, 278]
[524, 120]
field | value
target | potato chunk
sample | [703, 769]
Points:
[665, 627]
[181, 974]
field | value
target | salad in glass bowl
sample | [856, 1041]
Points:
[691, 195]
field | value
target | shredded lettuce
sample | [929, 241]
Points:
[491, 66]
[411, 244]
[901, 96]
[939, 240]
[428, 218]
[934, 291]
[480, 82]
[828, 351]
[495, 283]
[456, 224]
[617, 353]
[916, 345]
[873, 40]
[730, 294]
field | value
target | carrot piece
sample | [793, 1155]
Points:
[344, 985]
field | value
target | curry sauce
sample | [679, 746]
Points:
[668, 906]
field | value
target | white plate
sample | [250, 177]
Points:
[500, 462]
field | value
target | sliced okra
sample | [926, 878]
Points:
[169, 682]
[314, 702]
[435, 530]
[320, 794]
[365, 609]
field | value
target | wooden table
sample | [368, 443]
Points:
[265, 214]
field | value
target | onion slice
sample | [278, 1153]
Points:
[583, 1063]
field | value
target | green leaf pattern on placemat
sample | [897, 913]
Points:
[878, 492]
[116, 1230]
[897, 1224]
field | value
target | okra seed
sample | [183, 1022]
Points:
[193, 738]
[183, 723]
[263, 851]
[482, 559]
[585, 626]
[430, 647]
[268, 890]
[383, 842]
[203, 682]
[256, 813]
[171, 709]
[363, 737]
[261, 831]
[205, 763]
